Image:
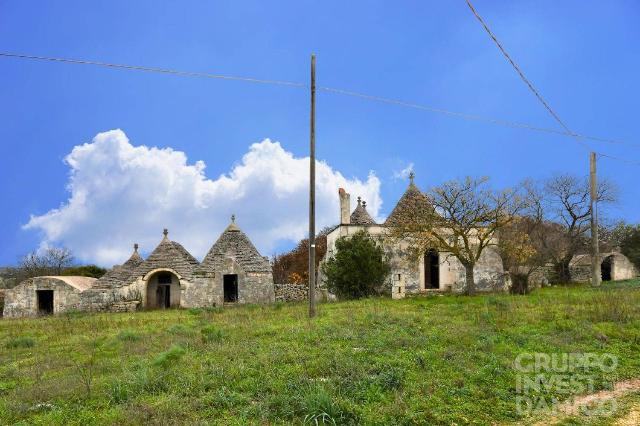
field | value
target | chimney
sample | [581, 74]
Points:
[345, 207]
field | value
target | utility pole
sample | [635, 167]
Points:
[595, 251]
[312, 193]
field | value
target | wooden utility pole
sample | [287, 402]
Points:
[312, 194]
[595, 251]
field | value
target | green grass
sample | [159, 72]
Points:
[421, 360]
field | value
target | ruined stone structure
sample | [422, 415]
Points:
[46, 295]
[232, 272]
[434, 270]
[614, 266]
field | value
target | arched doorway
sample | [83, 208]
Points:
[163, 290]
[605, 268]
[431, 270]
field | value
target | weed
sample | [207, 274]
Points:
[170, 356]
[129, 335]
[20, 342]
[211, 333]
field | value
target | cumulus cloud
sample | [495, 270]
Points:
[404, 173]
[121, 194]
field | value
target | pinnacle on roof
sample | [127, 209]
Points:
[120, 274]
[169, 254]
[360, 216]
[412, 202]
[135, 256]
[232, 226]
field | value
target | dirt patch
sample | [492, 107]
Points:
[631, 419]
[573, 407]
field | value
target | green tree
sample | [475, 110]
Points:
[627, 237]
[85, 271]
[358, 268]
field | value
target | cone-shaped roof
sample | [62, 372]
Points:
[120, 274]
[412, 201]
[360, 216]
[233, 243]
[171, 255]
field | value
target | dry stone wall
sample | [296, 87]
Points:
[287, 292]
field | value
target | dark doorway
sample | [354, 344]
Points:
[45, 302]
[431, 270]
[606, 269]
[230, 288]
[164, 295]
[164, 278]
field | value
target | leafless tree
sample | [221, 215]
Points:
[58, 258]
[567, 199]
[463, 221]
[49, 261]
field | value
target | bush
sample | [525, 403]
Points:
[519, 283]
[85, 271]
[358, 269]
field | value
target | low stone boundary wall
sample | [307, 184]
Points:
[125, 306]
[291, 292]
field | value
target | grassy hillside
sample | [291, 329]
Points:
[434, 360]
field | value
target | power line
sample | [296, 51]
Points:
[517, 68]
[183, 73]
[464, 115]
[153, 69]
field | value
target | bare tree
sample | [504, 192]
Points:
[58, 258]
[567, 201]
[463, 221]
[49, 261]
[528, 243]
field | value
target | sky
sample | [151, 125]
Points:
[96, 159]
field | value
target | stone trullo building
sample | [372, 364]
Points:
[233, 271]
[434, 270]
[440, 271]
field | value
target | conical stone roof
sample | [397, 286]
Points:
[360, 216]
[120, 274]
[233, 243]
[170, 255]
[412, 202]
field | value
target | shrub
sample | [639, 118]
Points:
[85, 271]
[519, 283]
[358, 269]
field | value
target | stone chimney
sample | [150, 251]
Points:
[345, 207]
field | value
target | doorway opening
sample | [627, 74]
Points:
[45, 302]
[163, 291]
[606, 269]
[431, 270]
[230, 287]
[163, 296]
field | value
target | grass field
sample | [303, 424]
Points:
[422, 360]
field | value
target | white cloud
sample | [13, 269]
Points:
[404, 173]
[121, 194]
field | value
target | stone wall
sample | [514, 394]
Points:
[287, 292]
[22, 299]
[622, 268]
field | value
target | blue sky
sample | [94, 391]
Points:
[582, 55]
